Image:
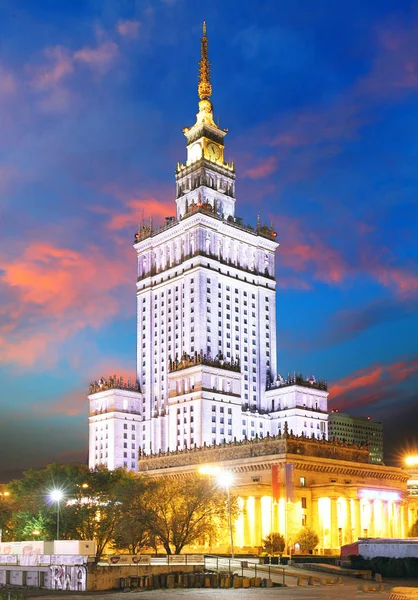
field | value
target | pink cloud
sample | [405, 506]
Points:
[135, 206]
[401, 279]
[8, 176]
[58, 66]
[303, 250]
[360, 379]
[371, 384]
[308, 138]
[71, 404]
[128, 28]
[99, 59]
[264, 169]
[8, 84]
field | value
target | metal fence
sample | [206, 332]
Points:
[248, 567]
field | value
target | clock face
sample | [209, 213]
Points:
[213, 151]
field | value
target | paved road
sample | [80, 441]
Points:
[348, 591]
[344, 592]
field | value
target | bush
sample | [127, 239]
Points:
[393, 568]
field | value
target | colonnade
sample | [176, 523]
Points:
[337, 520]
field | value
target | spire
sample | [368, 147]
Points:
[204, 87]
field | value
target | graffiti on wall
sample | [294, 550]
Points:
[66, 577]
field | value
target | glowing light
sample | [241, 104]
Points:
[251, 517]
[379, 495]
[57, 495]
[324, 518]
[266, 516]
[411, 461]
[209, 470]
[36, 532]
[225, 479]
[239, 523]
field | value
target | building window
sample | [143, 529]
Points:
[303, 502]
[302, 482]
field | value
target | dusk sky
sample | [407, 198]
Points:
[321, 101]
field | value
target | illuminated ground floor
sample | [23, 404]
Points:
[288, 482]
[337, 516]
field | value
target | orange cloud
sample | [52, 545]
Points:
[52, 292]
[136, 210]
[128, 28]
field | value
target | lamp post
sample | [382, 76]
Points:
[225, 480]
[57, 496]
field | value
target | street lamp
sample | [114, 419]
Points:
[225, 479]
[57, 496]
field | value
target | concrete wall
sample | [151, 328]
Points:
[390, 548]
[80, 577]
[107, 578]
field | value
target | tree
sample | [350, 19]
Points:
[98, 507]
[32, 506]
[274, 543]
[5, 516]
[413, 532]
[188, 511]
[133, 530]
[307, 539]
[92, 508]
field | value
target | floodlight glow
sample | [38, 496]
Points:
[56, 495]
[411, 461]
[225, 479]
[209, 470]
[379, 495]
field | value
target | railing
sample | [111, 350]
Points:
[316, 384]
[249, 567]
[154, 271]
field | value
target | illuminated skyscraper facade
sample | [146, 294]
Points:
[206, 322]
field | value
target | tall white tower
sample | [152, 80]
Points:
[205, 298]
[206, 320]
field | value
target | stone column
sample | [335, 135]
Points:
[357, 519]
[370, 527]
[247, 529]
[257, 521]
[385, 519]
[313, 517]
[334, 524]
[404, 518]
[349, 525]
[397, 525]
[275, 516]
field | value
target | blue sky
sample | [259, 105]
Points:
[320, 99]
